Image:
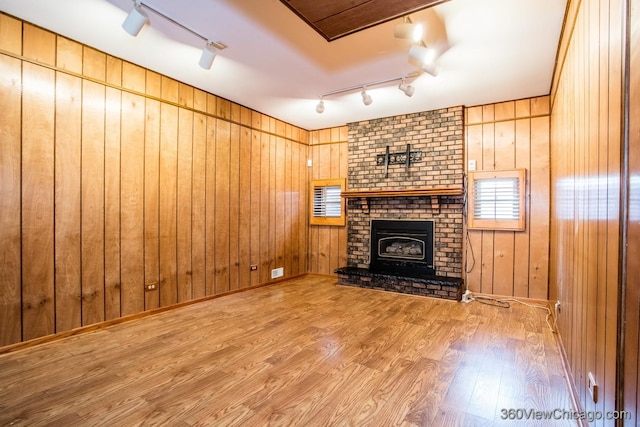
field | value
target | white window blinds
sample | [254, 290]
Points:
[327, 201]
[496, 198]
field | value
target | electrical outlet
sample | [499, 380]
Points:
[593, 388]
[277, 272]
[151, 286]
[253, 267]
[467, 296]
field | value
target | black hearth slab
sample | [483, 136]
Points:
[429, 286]
[436, 280]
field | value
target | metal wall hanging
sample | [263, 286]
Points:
[406, 157]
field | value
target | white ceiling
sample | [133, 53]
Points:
[275, 63]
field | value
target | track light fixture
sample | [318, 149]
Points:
[366, 98]
[426, 58]
[208, 55]
[419, 52]
[409, 30]
[407, 89]
[136, 19]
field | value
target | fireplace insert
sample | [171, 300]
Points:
[402, 247]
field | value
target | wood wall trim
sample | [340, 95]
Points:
[158, 98]
[417, 192]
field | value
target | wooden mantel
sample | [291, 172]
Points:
[446, 191]
[432, 192]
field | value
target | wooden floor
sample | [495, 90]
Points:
[304, 352]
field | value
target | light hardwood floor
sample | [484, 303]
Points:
[304, 352]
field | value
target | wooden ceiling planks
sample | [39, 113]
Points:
[337, 18]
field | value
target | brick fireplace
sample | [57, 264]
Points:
[384, 185]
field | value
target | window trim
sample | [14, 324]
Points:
[332, 221]
[497, 224]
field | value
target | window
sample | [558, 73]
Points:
[496, 200]
[327, 206]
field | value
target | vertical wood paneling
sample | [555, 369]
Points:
[539, 209]
[503, 251]
[334, 171]
[94, 63]
[39, 45]
[585, 193]
[168, 200]
[10, 189]
[486, 254]
[152, 192]
[234, 200]
[314, 252]
[68, 178]
[37, 198]
[286, 219]
[273, 197]
[112, 189]
[93, 99]
[295, 225]
[614, 60]
[198, 212]
[344, 171]
[632, 292]
[324, 232]
[522, 260]
[210, 184]
[106, 188]
[222, 216]
[501, 137]
[132, 204]
[328, 152]
[256, 161]
[279, 212]
[132, 190]
[244, 209]
[69, 55]
[184, 199]
[265, 220]
[10, 34]
[112, 199]
[473, 254]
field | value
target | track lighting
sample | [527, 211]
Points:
[408, 30]
[208, 55]
[425, 56]
[366, 98]
[135, 20]
[407, 89]
[138, 17]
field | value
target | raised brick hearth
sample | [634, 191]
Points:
[431, 286]
[438, 136]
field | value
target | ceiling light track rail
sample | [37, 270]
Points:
[371, 84]
[138, 17]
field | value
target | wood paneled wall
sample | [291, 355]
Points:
[113, 177]
[328, 244]
[586, 108]
[503, 136]
[631, 373]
